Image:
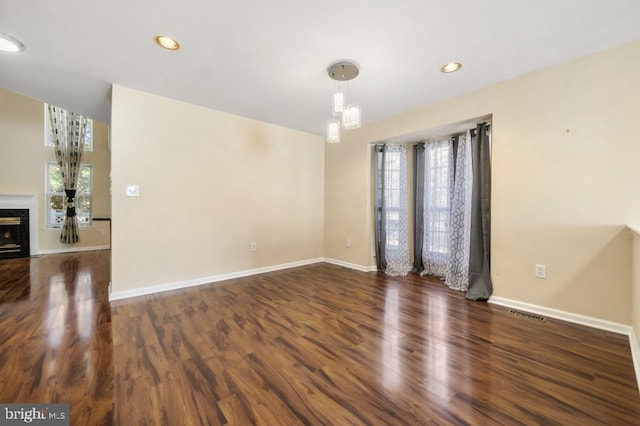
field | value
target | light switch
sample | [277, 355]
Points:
[133, 191]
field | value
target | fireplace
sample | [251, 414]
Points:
[14, 233]
[24, 207]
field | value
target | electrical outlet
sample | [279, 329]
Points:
[541, 271]
[348, 243]
[253, 247]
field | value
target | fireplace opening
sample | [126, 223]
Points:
[14, 233]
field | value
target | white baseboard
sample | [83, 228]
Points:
[119, 295]
[350, 265]
[72, 249]
[613, 327]
[635, 354]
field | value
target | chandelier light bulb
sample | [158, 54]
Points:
[333, 131]
[338, 102]
[352, 117]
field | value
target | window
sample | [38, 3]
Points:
[392, 197]
[391, 171]
[437, 197]
[88, 135]
[56, 196]
[442, 201]
[392, 214]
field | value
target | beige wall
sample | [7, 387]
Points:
[635, 299]
[565, 176]
[24, 156]
[210, 184]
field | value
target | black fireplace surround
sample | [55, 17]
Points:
[14, 233]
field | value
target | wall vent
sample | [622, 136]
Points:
[527, 315]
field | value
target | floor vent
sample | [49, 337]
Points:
[527, 315]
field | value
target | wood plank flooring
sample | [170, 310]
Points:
[55, 334]
[312, 345]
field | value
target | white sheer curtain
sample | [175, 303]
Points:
[457, 271]
[395, 208]
[452, 211]
[438, 184]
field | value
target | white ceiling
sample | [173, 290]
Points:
[267, 60]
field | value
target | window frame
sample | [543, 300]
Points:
[394, 209]
[381, 168]
[436, 166]
[49, 225]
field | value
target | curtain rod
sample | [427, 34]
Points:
[413, 143]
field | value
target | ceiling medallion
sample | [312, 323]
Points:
[343, 71]
[345, 116]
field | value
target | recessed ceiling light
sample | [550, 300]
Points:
[167, 42]
[451, 67]
[10, 44]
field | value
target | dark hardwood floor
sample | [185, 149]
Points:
[55, 334]
[313, 345]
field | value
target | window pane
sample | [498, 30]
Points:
[83, 203]
[83, 209]
[57, 202]
[393, 237]
[393, 161]
[55, 179]
[393, 228]
[437, 197]
[84, 180]
[88, 136]
[394, 180]
[56, 212]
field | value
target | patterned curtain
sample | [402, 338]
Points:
[438, 185]
[395, 209]
[457, 271]
[68, 131]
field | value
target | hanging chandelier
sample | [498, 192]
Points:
[346, 116]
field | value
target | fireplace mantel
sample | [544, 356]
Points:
[18, 201]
